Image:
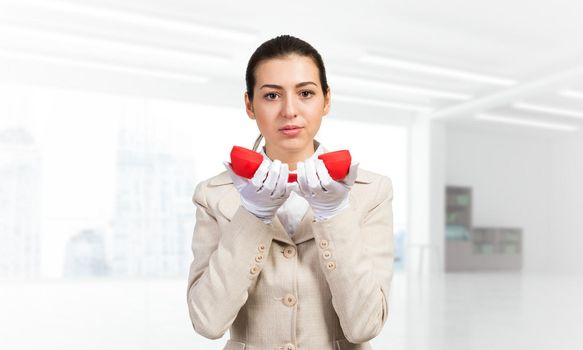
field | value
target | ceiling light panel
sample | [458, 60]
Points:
[165, 21]
[525, 122]
[548, 109]
[381, 103]
[351, 83]
[435, 70]
[24, 57]
[570, 93]
[64, 28]
[61, 41]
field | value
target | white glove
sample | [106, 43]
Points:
[326, 196]
[262, 195]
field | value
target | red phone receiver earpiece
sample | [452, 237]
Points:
[245, 163]
[337, 163]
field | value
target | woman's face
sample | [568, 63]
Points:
[288, 92]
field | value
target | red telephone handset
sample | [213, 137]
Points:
[245, 163]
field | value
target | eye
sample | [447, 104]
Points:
[309, 93]
[269, 95]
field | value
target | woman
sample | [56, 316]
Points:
[302, 265]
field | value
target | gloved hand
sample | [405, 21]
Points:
[263, 194]
[326, 196]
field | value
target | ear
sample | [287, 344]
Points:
[248, 106]
[327, 99]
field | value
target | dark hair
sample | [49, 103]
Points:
[279, 47]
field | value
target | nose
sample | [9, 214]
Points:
[289, 108]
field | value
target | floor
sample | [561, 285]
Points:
[455, 311]
[486, 311]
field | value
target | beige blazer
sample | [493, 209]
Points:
[326, 287]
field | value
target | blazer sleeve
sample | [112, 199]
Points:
[357, 260]
[226, 263]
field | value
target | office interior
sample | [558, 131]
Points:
[112, 111]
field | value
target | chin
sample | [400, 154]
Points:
[293, 143]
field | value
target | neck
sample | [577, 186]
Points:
[291, 158]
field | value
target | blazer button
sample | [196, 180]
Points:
[255, 269]
[323, 244]
[326, 255]
[331, 265]
[259, 257]
[261, 247]
[289, 252]
[289, 300]
[289, 346]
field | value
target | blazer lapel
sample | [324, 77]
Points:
[231, 201]
[304, 230]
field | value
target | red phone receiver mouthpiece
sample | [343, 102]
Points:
[245, 162]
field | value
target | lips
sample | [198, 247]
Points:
[291, 127]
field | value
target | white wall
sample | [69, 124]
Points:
[511, 185]
[566, 235]
[426, 226]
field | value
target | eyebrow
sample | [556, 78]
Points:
[281, 87]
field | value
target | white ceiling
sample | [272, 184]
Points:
[387, 61]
